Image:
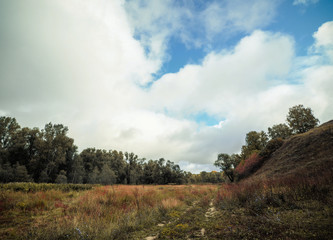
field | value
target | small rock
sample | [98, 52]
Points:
[151, 237]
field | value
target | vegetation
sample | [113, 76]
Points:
[50, 156]
[259, 145]
[301, 119]
[103, 212]
[284, 190]
[294, 207]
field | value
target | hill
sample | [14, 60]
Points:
[308, 153]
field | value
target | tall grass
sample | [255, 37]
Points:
[103, 212]
[276, 192]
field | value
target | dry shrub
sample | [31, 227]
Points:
[249, 165]
[170, 203]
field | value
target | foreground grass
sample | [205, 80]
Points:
[104, 212]
[295, 207]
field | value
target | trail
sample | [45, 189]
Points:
[197, 235]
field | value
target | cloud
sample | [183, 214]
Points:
[304, 2]
[82, 64]
[324, 40]
[258, 61]
[156, 22]
[248, 87]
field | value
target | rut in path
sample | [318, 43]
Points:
[209, 213]
[162, 224]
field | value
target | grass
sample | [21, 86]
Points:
[293, 207]
[103, 212]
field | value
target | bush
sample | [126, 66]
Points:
[36, 187]
[271, 147]
[249, 165]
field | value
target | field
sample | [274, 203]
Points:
[298, 207]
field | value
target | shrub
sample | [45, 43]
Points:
[271, 147]
[249, 165]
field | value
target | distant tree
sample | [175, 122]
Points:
[301, 119]
[227, 164]
[21, 173]
[8, 129]
[107, 176]
[61, 178]
[76, 170]
[279, 131]
[6, 173]
[43, 177]
[94, 176]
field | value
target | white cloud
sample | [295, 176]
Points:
[155, 22]
[304, 2]
[324, 39]
[258, 61]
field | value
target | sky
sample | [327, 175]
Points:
[183, 80]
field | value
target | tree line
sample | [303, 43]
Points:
[260, 145]
[50, 156]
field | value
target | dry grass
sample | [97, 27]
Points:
[309, 152]
[105, 212]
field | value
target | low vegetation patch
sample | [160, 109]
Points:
[294, 207]
[101, 212]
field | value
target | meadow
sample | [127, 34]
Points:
[102, 212]
[294, 207]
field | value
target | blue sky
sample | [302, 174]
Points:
[299, 21]
[183, 80]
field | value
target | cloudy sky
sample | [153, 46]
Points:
[184, 80]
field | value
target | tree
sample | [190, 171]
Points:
[107, 176]
[227, 164]
[21, 173]
[8, 128]
[279, 131]
[255, 142]
[61, 178]
[301, 119]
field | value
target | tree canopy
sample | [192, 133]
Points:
[49, 155]
[301, 119]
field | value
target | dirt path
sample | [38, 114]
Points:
[198, 234]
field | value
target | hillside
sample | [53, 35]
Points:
[309, 153]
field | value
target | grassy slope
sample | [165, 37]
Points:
[307, 152]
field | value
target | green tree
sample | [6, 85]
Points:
[8, 130]
[107, 176]
[301, 119]
[21, 173]
[61, 178]
[255, 141]
[94, 176]
[227, 164]
[6, 173]
[279, 131]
